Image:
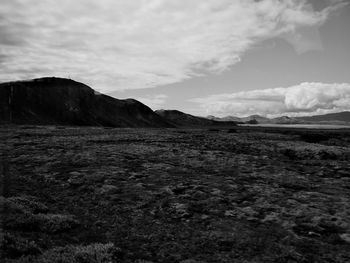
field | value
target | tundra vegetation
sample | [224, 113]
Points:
[245, 195]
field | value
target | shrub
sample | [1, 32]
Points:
[231, 131]
[22, 213]
[54, 223]
[29, 203]
[21, 221]
[290, 153]
[94, 253]
[315, 137]
[15, 246]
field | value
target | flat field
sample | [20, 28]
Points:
[247, 195]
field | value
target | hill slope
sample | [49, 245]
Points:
[182, 119]
[60, 101]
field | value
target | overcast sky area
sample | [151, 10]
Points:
[213, 57]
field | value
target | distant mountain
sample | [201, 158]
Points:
[332, 118]
[227, 118]
[258, 118]
[58, 101]
[284, 120]
[249, 119]
[181, 119]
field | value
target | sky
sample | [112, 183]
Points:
[213, 57]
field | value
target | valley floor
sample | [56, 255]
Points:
[174, 195]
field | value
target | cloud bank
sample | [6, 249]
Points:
[302, 100]
[122, 44]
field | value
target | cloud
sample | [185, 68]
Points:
[304, 99]
[122, 44]
[155, 102]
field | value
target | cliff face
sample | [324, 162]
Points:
[67, 102]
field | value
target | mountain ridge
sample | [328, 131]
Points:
[330, 118]
[181, 119]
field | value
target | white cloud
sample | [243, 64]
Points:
[155, 102]
[123, 44]
[303, 99]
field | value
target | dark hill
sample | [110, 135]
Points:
[182, 119]
[57, 101]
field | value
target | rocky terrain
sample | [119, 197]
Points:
[174, 195]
